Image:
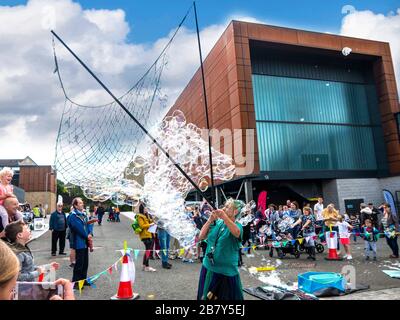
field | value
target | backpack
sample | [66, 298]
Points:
[135, 225]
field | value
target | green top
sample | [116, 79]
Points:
[226, 253]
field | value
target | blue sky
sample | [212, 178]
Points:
[151, 19]
[99, 36]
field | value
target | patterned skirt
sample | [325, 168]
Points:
[216, 286]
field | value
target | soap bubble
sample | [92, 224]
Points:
[165, 188]
[346, 51]
[203, 184]
[137, 171]
[139, 162]
[285, 223]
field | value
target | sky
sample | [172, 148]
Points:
[120, 39]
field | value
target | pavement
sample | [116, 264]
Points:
[180, 282]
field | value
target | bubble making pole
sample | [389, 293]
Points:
[205, 105]
[210, 201]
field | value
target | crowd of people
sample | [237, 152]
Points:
[219, 242]
[289, 222]
[16, 259]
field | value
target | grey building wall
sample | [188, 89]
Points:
[368, 189]
[330, 192]
[338, 190]
[392, 184]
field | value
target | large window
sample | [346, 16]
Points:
[305, 124]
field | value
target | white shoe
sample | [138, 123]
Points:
[349, 258]
[150, 269]
[345, 256]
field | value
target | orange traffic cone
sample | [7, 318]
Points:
[125, 285]
[331, 240]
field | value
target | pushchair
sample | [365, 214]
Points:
[111, 216]
[302, 246]
[284, 243]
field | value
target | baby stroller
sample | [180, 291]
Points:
[284, 243]
[318, 246]
[111, 216]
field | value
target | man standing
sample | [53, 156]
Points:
[77, 221]
[116, 213]
[100, 213]
[36, 212]
[375, 213]
[58, 226]
[366, 212]
[318, 208]
[164, 239]
[319, 219]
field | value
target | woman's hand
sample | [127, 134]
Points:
[212, 217]
[220, 214]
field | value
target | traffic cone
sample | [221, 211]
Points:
[125, 285]
[331, 240]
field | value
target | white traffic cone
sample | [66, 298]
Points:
[125, 284]
[331, 240]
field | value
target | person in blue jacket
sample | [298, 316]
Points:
[77, 222]
[58, 226]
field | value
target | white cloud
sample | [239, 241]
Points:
[374, 26]
[31, 100]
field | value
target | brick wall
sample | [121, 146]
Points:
[34, 178]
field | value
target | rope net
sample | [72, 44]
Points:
[96, 144]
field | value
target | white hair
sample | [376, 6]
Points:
[5, 171]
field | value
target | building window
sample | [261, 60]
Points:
[304, 125]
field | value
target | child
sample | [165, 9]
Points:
[187, 256]
[369, 234]
[355, 223]
[18, 233]
[253, 233]
[344, 236]
[262, 235]
[6, 190]
[307, 222]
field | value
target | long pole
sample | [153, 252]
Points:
[205, 103]
[211, 201]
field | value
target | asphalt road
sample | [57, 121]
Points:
[181, 281]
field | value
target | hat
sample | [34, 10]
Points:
[363, 205]
[60, 200]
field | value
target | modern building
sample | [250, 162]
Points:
[325, 123]
[32, 183]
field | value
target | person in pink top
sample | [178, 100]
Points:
[6, 191]
[6, 188]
